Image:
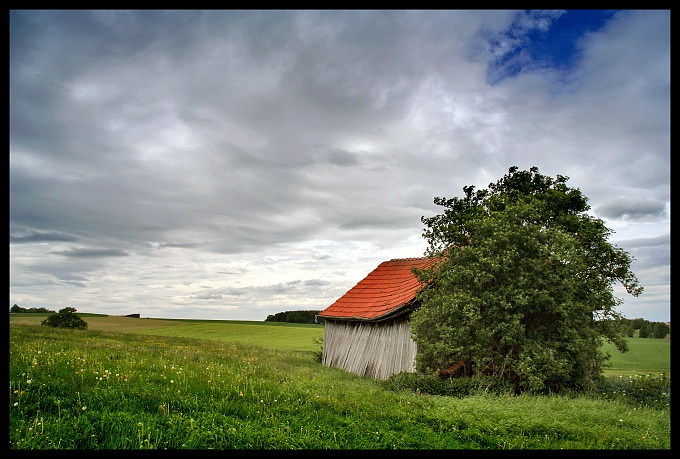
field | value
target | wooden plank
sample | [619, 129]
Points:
[370, 349]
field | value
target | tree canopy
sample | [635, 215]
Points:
[65, 318]
[524, 285]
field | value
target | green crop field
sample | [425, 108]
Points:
[645, 356]
[127, 383]
[278, 335]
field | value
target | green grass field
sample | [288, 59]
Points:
[129, 383]
[277, 335]
[645, 356]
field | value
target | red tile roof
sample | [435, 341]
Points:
[385, 290]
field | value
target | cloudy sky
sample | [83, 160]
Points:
[235, 164]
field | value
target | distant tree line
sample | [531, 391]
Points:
[645, 328]
[298, 317]
[19, 309]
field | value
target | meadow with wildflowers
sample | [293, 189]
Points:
[98, 389]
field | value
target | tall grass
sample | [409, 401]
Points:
[73, 389]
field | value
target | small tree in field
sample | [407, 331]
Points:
[65, 318]
[524, 286]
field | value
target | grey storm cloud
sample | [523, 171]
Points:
[647, 242]
[291, 288]
[91, 253]
[649, 252]
[631, 208]
[283, 154]
[208, 296]
[41, 236]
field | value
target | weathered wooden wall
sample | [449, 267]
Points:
[377, 350]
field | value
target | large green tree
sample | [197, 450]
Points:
[524, 284]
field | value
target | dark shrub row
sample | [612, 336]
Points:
[298, 317]
[652, 391]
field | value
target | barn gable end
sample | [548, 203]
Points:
[367, 330]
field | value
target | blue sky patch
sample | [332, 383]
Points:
[542, 40]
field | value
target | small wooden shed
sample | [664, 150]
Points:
[367, 330]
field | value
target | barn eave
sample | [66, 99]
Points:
[389, 315]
